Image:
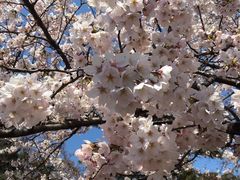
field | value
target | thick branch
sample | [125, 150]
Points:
[220, 79]
[49, 38]
[31, 71]
[49, 127]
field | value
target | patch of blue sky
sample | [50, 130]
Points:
[205, 164]
[93, 135]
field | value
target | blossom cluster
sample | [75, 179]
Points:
[121, 82]
[94, 156]
[71, 102]
[152, 148]
[155, 71]
[24, 102]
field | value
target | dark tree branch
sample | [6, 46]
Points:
[186, 158]
[196, 154]
[119, 42]
[220, 79]
[18, 55]
[192, 48]
[233, 128]
[201, 19]
[184, 127]
[12, 133]
[9, 2]
[64, 85]
[96, 173]
[49, 38]
[232, 112]
[133, 175]
[158, 26]
[181, 160]
[220, 23]
[211, 65]
[31, 71]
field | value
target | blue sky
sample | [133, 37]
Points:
[204, 164]
[74, 143]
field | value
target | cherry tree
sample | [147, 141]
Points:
[161, 78]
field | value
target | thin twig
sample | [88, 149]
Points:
[64, 85]
[56, 148]
[201, 19]
[220, 23]
[119, 42]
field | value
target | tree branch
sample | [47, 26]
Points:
[31, 71]
[220, 23]
[55, 149]
[65, 85]
[49, 38]
[119, 42]
[68, 124]
[201, 19]
[220, 79]
[232, 112]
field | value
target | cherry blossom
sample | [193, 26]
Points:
[159, 78]
[24, 102]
